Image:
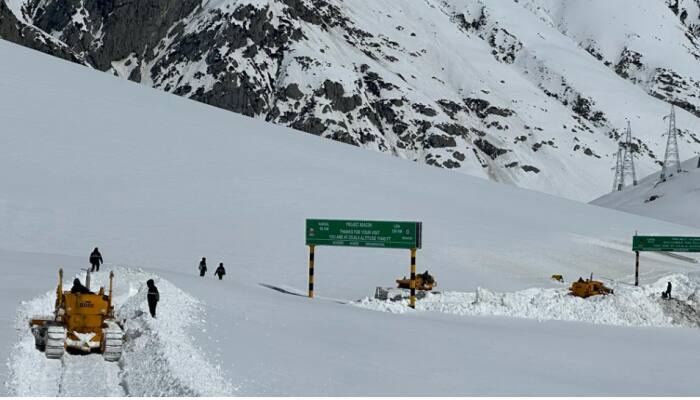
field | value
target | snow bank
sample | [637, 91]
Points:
[159, 359]
[629, 306]
[164, 345]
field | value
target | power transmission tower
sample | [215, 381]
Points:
[672, 162]
[619, 181]
[624, 165]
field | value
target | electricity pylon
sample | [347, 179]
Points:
[624, 165]
[672, 162]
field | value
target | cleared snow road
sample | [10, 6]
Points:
[90, 375]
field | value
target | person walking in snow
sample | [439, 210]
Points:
[153, 297]
[203, 266]
[220, 271]
[95, 260]
[668, 291]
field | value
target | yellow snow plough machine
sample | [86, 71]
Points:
[83, 322]
[589, 287]
[424, 283]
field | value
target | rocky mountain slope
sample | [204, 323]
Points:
[19, 32]
[531, 92]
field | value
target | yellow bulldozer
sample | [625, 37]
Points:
[424, 281]
[589, 287]
[83, 322]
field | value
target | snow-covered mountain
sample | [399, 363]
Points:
[532, 92]
[675, 199]
[18, 31]
[130, 173]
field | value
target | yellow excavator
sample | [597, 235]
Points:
[83, 322]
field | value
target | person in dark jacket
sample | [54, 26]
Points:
[203, 266]
[668, 290]
[78, 288]
[95, 260]
[153, 297]
[220, 271]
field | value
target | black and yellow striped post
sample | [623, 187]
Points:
[412, 301]
[311, 270]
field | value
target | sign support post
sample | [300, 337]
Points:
[412, 301]
[311, 270]
[636, 269]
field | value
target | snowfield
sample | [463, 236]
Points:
[157, 182]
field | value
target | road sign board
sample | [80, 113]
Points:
[681, 244]
[381, 234]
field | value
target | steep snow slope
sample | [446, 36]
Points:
[158, 182]
[532, 93]
[675, 200]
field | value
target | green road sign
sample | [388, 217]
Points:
[382, 234]
[681, 244]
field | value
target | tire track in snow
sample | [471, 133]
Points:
[88, 376]
[159, 357]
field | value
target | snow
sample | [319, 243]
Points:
[157, 182]
[674, 200]
[630, 305]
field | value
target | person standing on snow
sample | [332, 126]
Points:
[220, 271]
[668, 290]
[153, 297]
[95, 260]
[203, 266]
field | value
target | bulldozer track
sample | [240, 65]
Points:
[114, 343]
[55, 342]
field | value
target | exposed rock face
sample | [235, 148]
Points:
[467, 85]
[13, 30]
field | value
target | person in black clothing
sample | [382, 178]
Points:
[203, 266]
[95, 260]
[220, 271]
[668, 290]
[78, 288]
[153, 297]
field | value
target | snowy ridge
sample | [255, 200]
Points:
[674, 200]
[532, 93]
[629, 306]
[159, 358]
